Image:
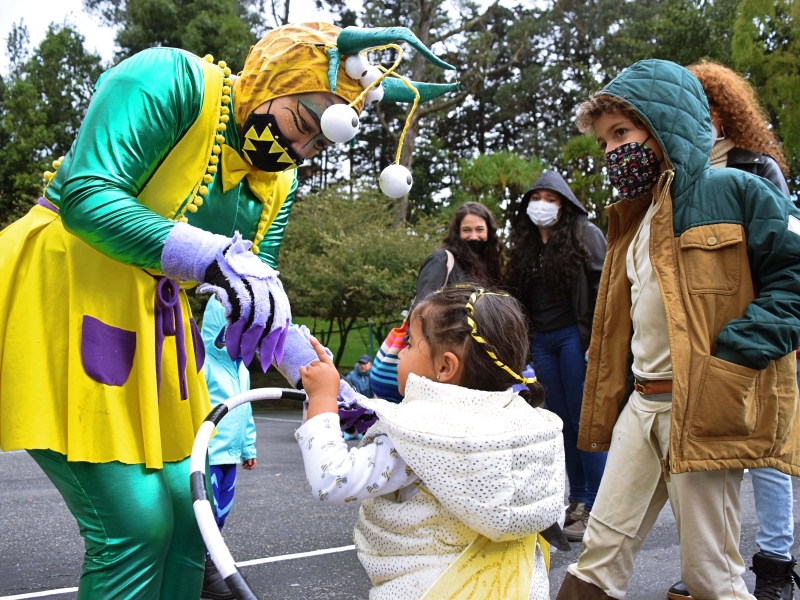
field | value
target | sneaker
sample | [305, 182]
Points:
[775, 577]
[574, 533]
[573, 513]
[678, 592]
[214, 586]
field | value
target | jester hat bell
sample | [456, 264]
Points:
[320, 57]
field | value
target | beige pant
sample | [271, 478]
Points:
[632, 494]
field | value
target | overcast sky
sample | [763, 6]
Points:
[38, 14]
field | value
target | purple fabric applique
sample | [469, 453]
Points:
[169, 321]
[199, 347]
[106, 352]
[46, 204]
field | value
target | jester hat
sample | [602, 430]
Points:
[320, 57]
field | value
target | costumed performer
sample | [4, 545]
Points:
[181, 174]
[458, 480]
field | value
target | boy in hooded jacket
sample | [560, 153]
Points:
[691, 367]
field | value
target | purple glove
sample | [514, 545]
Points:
[256, 306]
[351, 413]
[300, 353]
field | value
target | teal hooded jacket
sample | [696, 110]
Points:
[725, 248]
[235, 440]
[673, 105]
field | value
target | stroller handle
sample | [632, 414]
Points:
[203, 511]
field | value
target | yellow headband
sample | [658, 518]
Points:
[470, 306]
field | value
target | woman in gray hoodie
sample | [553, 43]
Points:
[554, 267]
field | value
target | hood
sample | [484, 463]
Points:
[671, 101]
[213, 324]
[487, 457]
[551, 180]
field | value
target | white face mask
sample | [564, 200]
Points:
[542, 213]
[715, 136]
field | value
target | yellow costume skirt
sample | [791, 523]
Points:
[78, 352]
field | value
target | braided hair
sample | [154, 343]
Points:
[501, 324]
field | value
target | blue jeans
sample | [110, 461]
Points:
[558, 360]
[772, 491]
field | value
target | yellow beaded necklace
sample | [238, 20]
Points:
[223, 116]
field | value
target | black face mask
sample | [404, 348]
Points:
[477, 246]
[263, 144]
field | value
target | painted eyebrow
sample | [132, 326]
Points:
[314, 115]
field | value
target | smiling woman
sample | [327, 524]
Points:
[472, 240]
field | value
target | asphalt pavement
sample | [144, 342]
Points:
[274, 515]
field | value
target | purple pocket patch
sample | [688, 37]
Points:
[107, 352]
[199, 347]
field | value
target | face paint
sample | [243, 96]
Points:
[263, 144]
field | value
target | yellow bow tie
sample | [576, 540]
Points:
[235, 168]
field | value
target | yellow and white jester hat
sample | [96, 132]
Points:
[320, 57]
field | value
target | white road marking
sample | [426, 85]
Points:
[246, 563]
[271, 559]
[273, 419]
[40, 594]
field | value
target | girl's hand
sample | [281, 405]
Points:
[249, 464]
[320, 382]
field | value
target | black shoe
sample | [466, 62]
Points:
[214, 586]
[678, 592]
[775, 577]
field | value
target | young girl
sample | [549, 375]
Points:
[457, 480]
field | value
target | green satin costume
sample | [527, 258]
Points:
[123, 139]
[138, 526]
[142, 540]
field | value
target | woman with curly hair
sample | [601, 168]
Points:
[472, 240]
[554, 270]
[742, 139]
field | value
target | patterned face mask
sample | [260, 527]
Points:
[633, 169]
[263, 144]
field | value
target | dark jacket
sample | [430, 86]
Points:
[433, 272]
[758, 164]
[585, 283]
[725, 249]
[360, 382]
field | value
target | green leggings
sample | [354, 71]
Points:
[138, 525]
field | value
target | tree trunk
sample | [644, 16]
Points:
[344, 331]
[426, 11]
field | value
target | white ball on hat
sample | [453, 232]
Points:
[372, 74]
[396, 181]
[374, 96]
[339, 123]
[356, 66]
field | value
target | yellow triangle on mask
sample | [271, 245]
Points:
[248, 145]
[276, 147]
[251, 134]
[285, 159]
[266, 135]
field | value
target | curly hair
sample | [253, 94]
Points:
[561, 258]
[734, 100]
[501, 323]
[487, 268]
[600, 104]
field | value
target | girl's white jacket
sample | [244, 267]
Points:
[445, 464]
